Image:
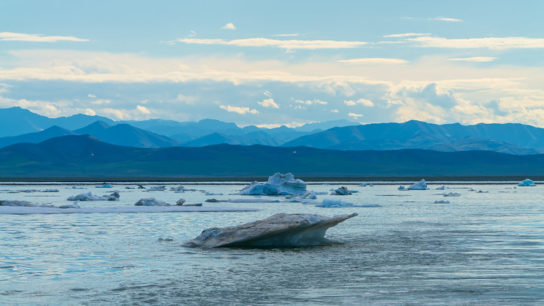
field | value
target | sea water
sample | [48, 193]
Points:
[482, 248]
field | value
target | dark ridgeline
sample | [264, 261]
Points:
[85, 156]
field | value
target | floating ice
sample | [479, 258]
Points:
[252, 201]
[157, 188]
[105, 185]
[22, 210]
[280, 230]
[150, 202]
[341, 191]
[277, 184]
[441, 202]
[440, 188]
[401, 188]
[328, 203]
[452, 194]
[50, 190]
[90, 197]
[421, 185]
[178, 189]
[527, 183]
[16, 203]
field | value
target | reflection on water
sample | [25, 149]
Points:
[482, 248]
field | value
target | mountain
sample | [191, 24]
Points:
[257, 137]
[36, 137]
[507, 138]
[126, 135]
[16, 121]
[85, 156]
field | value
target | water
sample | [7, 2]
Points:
[482, 248]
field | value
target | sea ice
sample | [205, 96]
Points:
[421, 185]
[105, 185]
[150, 202]
[341, 191]
[277, 184]
[280, 230]
[441, 202]
[452, 194]
[328, 203]
[156, 188]
[50, 190]
[441, 188]
[114, 196]
[16, 203]
[527, 183]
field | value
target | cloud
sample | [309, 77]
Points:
[286, 35]
[186, 99]
[355, 116]
[363, 102]
[239, 110]
[475, 59]
[268, 103]
[311, 102]
[89, 112]
[373, 60]
[143, 109]
[446, 19]
[495, 43]
[334, 110]
[101, 101]
[276, 43]
[401, 35]
[229, 26]
[91, 96]
[10, 36]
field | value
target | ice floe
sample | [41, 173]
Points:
[421, 185]
[150, 202]
[441, 202]
[277, 184]
[156, 188]
[22, 210]
[105, 185]
[527, 183]
[341, 191]
[114, 196]
[328, 203]
[279, 230]
[452, 194]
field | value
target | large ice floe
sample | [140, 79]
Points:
[114, 196]
[527, 183]
[277, 184]
[279, 230]
[421, 185]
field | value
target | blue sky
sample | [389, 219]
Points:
[276, 62]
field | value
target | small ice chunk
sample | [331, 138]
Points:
[341, 191]
[277, 184]
[157, 188]
[178, 189]
[180, 202]
[441, 202]
[334, 203]
[150, 202]
[527, 183]
[105, 185]
[401, 188]
[15, 203]
[74, 205]
[452, 194]
[114, 196]
[441, 188]
[50, 190]
[421, 185]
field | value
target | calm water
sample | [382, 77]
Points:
[482, 248]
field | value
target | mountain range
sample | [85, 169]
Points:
[81, 156]
[511, 138]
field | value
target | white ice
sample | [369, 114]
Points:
[277, 184]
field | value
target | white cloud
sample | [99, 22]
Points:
[373, 60]
[276, 43]
[91, 96]
[286, 35]
[186, 99]
[401, 35]
[239, 110]
[101, 101]
[334, 110]
[475, 59]
[89, 112]
[143, 109]
[363, 102]
[268, 103]
[496, 43]
[355, 116]
[10, 36]
[311, 102]
[229, 26]
[446, 19]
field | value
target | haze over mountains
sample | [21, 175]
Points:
[22, 126]
[81, 156]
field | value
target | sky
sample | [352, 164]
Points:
[271, 63]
